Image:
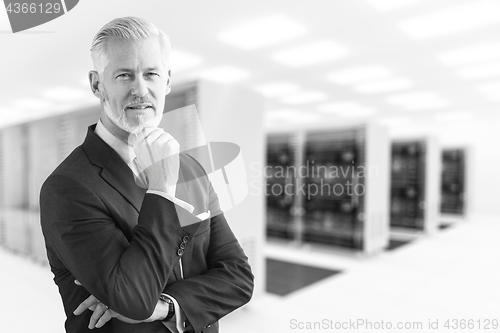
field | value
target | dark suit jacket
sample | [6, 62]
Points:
[123, 244]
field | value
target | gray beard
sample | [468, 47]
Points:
[122, 122]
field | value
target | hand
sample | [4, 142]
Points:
[102, 314]
[157, 157]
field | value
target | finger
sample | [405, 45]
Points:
[153, 132]
[88, 303]
[100, 309]
[164, 137]
[171, 145]
[149, 136]
[105, 318]
[139, 134]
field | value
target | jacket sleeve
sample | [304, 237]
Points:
[226, 285]
[128, 277]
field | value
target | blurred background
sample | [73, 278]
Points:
[369, 131]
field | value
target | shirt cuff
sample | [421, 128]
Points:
[179, 317]
[179, 202]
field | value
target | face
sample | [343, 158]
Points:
[133, 86]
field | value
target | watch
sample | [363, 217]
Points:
[171, 309]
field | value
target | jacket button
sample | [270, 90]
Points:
[185, 239]
[182, 245]
[180, 252]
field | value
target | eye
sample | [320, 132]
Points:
[152, 74]
[124, 75]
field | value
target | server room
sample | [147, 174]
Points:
[352, 146]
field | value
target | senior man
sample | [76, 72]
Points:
[135, 236]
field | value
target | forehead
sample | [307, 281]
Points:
[145, 53]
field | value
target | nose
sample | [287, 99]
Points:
[139, 88]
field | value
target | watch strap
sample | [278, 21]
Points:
[171, 308]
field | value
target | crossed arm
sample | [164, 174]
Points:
[128, 276]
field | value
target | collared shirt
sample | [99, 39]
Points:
[126, 152]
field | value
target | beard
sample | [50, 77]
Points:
[137, 124]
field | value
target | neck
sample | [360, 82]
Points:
[121, 134]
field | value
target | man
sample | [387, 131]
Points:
[132, 259]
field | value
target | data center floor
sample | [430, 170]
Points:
[452, 275]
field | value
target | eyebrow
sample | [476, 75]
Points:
[132, 70]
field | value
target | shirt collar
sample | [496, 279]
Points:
[125, 151]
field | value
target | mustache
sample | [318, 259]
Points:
[139, 100]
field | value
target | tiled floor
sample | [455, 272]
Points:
[454, 274]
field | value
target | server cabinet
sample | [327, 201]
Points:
[280, 187]
[334, 202]
[408, 173]
[414, 184]
[340, 192]
[453, 181]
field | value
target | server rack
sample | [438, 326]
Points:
[280, 187]
[453, 181]
[414, 185]
[341, 196]
[333, 206]
[408, 172]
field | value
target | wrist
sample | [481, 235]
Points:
[168, 190]
[169, 307]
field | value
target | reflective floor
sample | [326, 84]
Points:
[453, 275]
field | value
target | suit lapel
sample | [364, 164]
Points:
[114, 170]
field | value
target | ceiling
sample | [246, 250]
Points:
[392, 61]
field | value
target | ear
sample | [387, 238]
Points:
[169, 87]
[94, 83]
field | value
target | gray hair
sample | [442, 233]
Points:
[128, 28]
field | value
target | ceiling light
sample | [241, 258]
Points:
[423, 100]
[454, 116]
[358, 74]
[310, 54]
[393, 121]
[182, 60]
[66, 94]
[304, 98]
[291, 116]
[280, 113]
[224, 74]
[347, 109]
[382, 86]
[338, 106]
[301, 118]
[455, 19]
[274, 89]
[427, 105]
[357, 112]
[471, 54]
[263, 32]
[388, 5]
[479, 71]
[413, 97]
